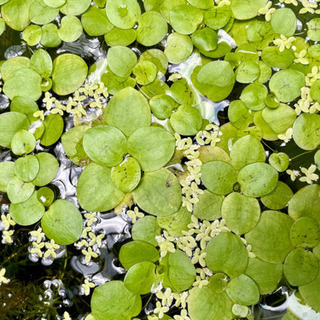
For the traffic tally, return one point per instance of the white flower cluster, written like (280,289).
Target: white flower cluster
(190,183)
(6,223)
(90,243)
(93,96)
(41,248)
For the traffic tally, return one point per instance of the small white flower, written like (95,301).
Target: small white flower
(310,176)
(86,286)
(3,279)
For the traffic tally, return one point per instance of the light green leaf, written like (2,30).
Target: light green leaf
(128,110)
(159,193)
(28,212)
(227,253)
(270,238)
(153,147)
(96,191)
(69,73)
(62,222)
(105,145)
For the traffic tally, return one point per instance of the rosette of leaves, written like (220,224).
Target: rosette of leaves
(24,179)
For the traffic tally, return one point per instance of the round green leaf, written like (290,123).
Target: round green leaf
(205,39)
(26,168)
(313,29)
(11,66)
(54,125)
(315,91)
(186,120)
(24,82)
(62,222)
(240,212)
(257,179)
(243,290)
(247,72)
(75,7)
(177,222)
(259,33)
(123,13)
(280,161)
(272,57)
(28,212)
(153,147)
(7,172)
(145,72)
(227,253)
(24,105)
(179,272)
(41,62)
(162,106)
(122,303)
(32,35)
(157,57)
(45,196)
(48,168)
(40,13)
(16,14)
(23,142)
(278,198)
(95,22)
(306,131)
(140,277)
(270,238)
(266,275)
(279,119)
(128,110)
(311,292)
(159,193)
(121,61)
(70,29)
(152,28)
(218,177)
(219,76)
(69,73)
(207,304)
(305,203)
(286,84)
(146,229)
(254,95)
(208,207)
(239,115)
(55,3)
(50,37)
(137,251)
(246,9)
(217,17)
(182,92)
(277,22)
(179,48)
(18,190)
(305,233)
(96,191)
(185,18)
(126,176)
(72,142)
(105,145)
(239,155)
(10,124)
(300,267)
(120,37)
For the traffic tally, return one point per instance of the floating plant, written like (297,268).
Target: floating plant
(163,155)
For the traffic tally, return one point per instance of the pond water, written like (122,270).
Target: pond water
(44,288)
